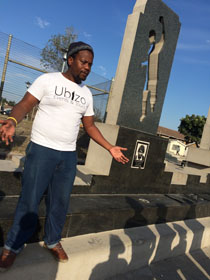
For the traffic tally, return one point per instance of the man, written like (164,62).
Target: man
(50,162)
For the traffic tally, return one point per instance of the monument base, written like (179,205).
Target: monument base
(123,196)
(97,213)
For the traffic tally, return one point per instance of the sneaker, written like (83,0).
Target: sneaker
(58,252)
(7,259)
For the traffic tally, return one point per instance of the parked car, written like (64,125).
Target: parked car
(6,112)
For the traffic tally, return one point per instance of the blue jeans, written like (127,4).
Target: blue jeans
(48,170)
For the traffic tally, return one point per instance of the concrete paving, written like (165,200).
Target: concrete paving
(169,251)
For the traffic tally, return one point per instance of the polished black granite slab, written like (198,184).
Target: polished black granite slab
(96,213)
(10,183)
(123,179)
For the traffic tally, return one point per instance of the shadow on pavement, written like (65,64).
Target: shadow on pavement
(156,255)
(116,248)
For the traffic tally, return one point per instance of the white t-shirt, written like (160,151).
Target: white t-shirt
(62,105)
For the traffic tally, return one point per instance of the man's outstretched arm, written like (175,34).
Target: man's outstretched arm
(19,111)
(96,135)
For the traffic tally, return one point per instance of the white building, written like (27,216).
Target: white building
(176,141)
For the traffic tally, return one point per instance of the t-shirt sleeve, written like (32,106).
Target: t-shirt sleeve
(90,111)
(37,89)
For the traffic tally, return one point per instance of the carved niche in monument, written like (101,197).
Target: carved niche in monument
(144,66)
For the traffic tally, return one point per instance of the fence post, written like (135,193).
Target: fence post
(5,67)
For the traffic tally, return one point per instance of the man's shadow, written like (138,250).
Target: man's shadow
(114,263)
(34,261)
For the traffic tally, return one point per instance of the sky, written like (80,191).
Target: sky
(102,24)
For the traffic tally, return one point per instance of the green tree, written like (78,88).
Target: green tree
(11,103)
(4,101)
(52,53)
(192,128)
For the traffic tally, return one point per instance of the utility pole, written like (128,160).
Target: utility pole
(28,84)
(5,67)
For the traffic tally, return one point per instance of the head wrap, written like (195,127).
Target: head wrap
(78,46)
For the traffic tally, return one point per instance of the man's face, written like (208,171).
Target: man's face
(80,65)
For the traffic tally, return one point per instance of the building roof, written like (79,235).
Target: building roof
(170,133)
(6,107)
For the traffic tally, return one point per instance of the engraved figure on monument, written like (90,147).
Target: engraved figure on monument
(140,154)
(152,70)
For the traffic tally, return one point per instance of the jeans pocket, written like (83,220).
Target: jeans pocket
(28,149)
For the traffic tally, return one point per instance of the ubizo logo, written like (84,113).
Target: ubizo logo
(71,96)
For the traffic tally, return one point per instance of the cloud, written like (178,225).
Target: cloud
(87,35)
(103,70)
(208,41)
(41,22)
(192,47)
(190,60)
(194,34)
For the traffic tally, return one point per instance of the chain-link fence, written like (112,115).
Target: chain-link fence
(20,66)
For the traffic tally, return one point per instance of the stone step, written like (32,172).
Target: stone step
(172,251)
(84,183)
(18,160)
(9,166)
(10,178)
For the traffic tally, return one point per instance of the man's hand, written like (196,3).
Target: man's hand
(96,135)
(7,130)
(118,155)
